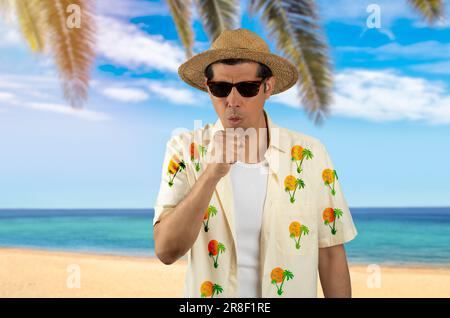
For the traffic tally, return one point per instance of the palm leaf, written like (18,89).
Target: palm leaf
(73,48)
(288,275)
(32,22)
(217,288)
(181,14)
(335,174)
(431,10)
(305,229)
(307,154)
(218,15)
(212,211)
(202,150)
(293,24)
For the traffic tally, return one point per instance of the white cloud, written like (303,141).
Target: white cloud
(355,12)
(384,96)
(40,93)
(422,50)
(65,110)
(131,8)
(16,81)
(10,38)
(126,45)
(6,96)
(10,35)
(125,94)
(176,94)
(433,68)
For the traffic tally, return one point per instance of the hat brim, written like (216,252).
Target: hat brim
(192,71)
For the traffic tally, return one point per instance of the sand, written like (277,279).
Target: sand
(38,273)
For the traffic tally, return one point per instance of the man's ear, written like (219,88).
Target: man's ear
(206,79)
(269,86)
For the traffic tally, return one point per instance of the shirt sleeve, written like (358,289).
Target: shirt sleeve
(335,220)
(174,184)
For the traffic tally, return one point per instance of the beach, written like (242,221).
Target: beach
(41,273)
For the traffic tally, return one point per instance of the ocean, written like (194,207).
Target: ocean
(389,236)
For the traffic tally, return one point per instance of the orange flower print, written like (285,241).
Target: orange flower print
(175,165)
(291,184)
(278,276)
(329,218)
(329,177)
(296,229)
(197,151)
(210,211)
(215,249)
(208,289)
(298,154)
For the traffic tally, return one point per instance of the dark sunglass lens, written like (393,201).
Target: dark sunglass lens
(248,89)
(220,89)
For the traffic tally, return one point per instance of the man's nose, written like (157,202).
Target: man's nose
(234,98)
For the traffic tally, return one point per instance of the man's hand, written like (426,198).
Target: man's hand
(225,152)
(333,272)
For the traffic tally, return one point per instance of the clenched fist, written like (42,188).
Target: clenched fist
(226,150)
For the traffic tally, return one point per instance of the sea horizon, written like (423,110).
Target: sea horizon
(389,236)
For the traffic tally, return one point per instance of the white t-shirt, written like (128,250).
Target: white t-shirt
(249,182)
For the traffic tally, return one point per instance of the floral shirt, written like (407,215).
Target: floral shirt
(304,210)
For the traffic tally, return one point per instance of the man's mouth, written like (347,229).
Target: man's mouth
(234,119)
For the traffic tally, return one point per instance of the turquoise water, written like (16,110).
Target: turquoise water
(397,236)
(120,232)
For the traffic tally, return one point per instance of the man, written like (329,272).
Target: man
(257,214)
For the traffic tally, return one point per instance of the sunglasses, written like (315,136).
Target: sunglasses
(246,89)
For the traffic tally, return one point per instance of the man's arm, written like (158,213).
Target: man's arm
(333,272)
(176,232)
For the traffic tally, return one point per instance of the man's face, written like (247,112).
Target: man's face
(248,110)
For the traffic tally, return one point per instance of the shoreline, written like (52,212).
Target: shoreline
(42,251)
(44,273)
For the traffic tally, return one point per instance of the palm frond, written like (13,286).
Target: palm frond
(288,274)
(305,229)
(218,15)
(217,288)
(293,24)
(307,154)
(182,17)
(212,210)
(431,10)
(338,213)
(32,22)
(73,48)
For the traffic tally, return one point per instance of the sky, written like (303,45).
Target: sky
(387,133)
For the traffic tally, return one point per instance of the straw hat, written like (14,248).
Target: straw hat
(239,43)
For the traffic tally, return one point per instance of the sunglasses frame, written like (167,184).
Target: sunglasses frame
(235,85)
